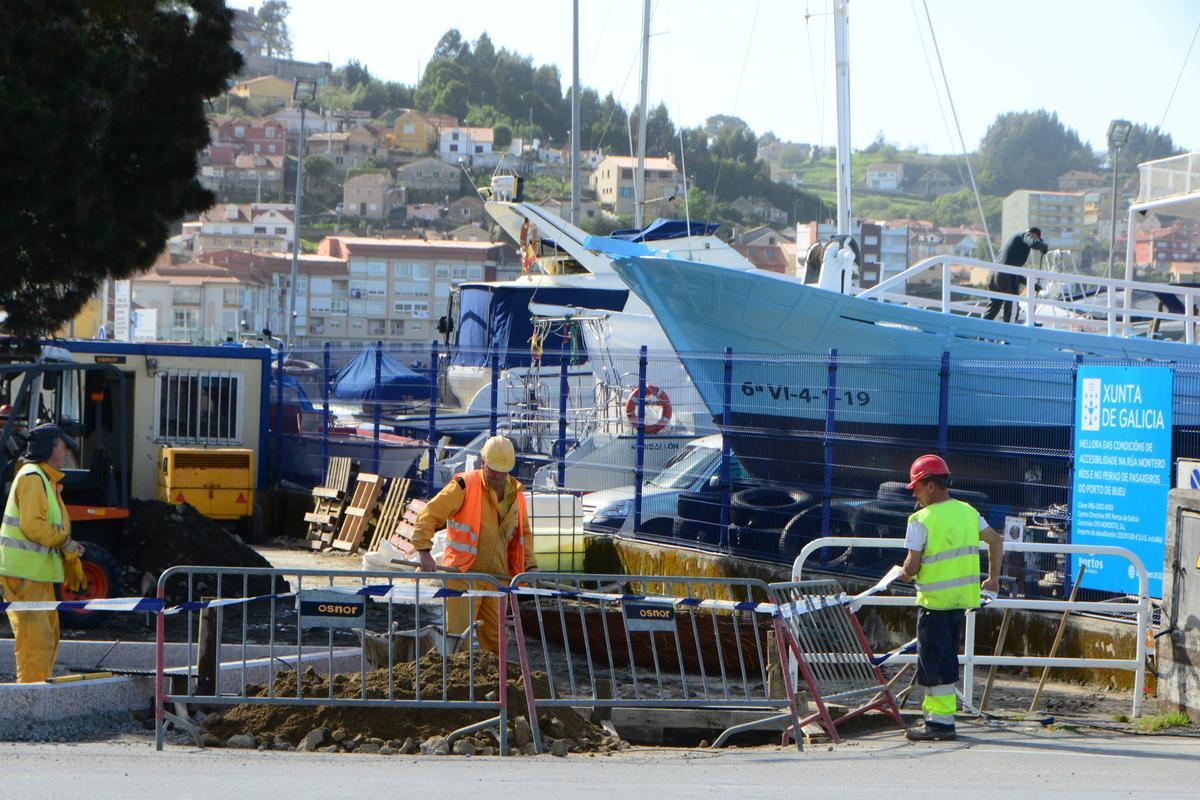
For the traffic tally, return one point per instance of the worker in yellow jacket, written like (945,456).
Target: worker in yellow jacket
(487,530)
(37,551)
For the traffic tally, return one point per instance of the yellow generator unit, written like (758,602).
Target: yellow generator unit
(218,482)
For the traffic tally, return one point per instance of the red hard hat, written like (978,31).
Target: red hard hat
(925,466)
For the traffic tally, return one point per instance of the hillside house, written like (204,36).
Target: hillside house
(612,182)
(885,177)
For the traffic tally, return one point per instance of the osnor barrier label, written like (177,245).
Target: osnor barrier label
(321,608)
(649,617)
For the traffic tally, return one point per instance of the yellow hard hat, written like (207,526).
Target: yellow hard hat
(498,454)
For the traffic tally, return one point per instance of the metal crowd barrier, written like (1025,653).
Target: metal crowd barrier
(647,641)
(830,653)
(380,619)
(969,659)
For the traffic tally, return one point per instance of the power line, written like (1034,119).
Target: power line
(961,141)
(1171,99)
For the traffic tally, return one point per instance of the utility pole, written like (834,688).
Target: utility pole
(1118,135)
(303,92)
(575,115)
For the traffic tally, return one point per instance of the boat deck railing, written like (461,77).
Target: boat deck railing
(1105,306)
(1173,177)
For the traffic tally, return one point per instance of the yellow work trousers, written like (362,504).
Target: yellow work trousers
(462,611)
(35,632)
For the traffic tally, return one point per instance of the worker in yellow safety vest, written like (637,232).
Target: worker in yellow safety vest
(943,556)
(487,530)
(37,551)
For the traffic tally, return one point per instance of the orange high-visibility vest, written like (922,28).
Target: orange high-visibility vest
(462,528)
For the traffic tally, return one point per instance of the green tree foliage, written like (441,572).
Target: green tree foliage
(452,100)
(959,208)
(355,73)
(501,136)
(375,97)
(272,16)
(104,102)
(1146,144)
(438,74)
(731,138)
(1029,150)
(322,185)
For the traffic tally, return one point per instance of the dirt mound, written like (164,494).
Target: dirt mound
(293,723)
(161,535)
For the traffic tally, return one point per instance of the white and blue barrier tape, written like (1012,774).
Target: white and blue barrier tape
(410,590)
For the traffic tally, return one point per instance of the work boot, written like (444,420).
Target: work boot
(930,732)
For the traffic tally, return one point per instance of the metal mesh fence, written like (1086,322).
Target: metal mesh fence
(748,454)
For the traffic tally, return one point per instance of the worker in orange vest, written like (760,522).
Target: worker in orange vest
(487,530)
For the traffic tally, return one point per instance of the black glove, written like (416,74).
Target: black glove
(1041,247)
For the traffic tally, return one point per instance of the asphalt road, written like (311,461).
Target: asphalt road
(1010,763)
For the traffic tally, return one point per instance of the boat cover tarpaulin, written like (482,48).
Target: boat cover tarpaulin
(663,228)
(293,393)
(496,318)
(397,383)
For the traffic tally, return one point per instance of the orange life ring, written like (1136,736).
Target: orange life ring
(656,396)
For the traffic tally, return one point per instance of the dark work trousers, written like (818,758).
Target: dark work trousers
(994,308)
(939,638)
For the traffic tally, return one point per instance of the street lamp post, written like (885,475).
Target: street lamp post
(304,91)
(1118,137)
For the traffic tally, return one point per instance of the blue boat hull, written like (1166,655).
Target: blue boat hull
(887,388)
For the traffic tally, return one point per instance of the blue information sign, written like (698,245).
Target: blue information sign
(1122,472)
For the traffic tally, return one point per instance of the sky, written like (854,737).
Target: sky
(771,62)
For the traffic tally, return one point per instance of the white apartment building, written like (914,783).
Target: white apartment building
(265,227)
(1058,214)
(883,248)
(384,289)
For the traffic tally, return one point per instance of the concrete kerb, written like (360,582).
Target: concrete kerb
(48,702)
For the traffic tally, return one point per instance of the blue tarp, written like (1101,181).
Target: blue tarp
(663,228)
(293,393)
(495,317)
(397,383)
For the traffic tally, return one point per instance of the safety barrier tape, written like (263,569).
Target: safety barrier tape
(409,590)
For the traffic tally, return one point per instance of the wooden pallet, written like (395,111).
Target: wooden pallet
(359,513)
(401,537)
(391,511)
(328,501)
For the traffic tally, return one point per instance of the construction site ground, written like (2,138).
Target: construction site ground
(1073,720)
(1004,762)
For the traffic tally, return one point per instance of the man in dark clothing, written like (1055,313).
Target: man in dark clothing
(1015,254)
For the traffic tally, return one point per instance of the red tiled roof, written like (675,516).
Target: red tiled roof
(345,246)
(768,257)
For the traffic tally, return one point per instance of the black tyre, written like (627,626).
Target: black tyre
(807,525)
(894,491)
(700,506)
(754,542)
(104,581)
(658,527)
(767,507)
(881,519)
(897,492)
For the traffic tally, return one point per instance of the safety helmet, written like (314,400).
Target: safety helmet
(924,467)
(498,454)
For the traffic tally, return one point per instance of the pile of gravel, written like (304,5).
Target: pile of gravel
(99,726)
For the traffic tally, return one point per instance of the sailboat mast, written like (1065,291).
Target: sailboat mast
(639,177)
(575,133)
(841,48)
